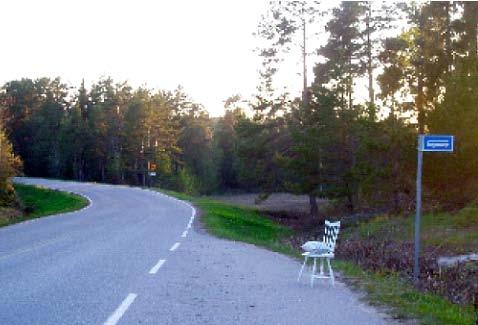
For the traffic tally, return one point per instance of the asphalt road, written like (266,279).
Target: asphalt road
(135,257)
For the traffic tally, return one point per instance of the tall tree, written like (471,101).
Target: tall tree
(342,53)
(9,166)
(456,114)
(286,26)
(312,155)
(225,144)
(418,60)
(195,142)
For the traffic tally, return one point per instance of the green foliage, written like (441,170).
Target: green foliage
(225,143)
(196,142)
(258,145)
(188,182)
(9,166)
(455,176)
(326,143)
(110,133)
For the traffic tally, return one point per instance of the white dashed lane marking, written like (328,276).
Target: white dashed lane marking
(174,247)
(155,268)
(119,312)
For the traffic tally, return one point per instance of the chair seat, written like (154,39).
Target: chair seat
(319,254)
(323,251)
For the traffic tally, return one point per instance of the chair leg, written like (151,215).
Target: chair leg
(302,268)
(321,266)
(314,268)
(331,272)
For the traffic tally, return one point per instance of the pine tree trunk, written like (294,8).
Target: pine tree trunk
(350,83)
(371,93)
(314,208)
(448,48)
(102,172)
(350,199)
(420,98)
(420,105)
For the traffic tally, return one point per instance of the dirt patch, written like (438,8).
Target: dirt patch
(287,209)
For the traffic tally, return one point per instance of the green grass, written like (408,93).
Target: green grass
(40,202)
(456,233)
(239,223)
(405,300)
(247,225)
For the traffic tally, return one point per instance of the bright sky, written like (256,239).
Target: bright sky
(205,46)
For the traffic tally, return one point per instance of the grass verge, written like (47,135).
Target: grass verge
(239,223)
(406,301)
(390,290)
(39,202)
(455,233)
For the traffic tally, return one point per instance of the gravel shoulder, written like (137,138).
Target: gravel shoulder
(228,282)
(215,281)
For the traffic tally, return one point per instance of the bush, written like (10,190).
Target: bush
(188,183)
(7,194)
(9,166)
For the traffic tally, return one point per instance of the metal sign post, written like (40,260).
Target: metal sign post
(416,266)
(427,143)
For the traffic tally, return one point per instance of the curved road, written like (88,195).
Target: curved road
(134,257)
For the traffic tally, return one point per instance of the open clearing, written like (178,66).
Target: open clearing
(276,202)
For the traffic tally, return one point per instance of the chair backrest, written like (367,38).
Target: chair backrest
(331,233)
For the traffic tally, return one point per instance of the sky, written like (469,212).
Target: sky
(204,46)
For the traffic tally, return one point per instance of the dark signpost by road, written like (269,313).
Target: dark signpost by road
(426,143)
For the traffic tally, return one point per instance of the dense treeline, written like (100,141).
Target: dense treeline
(419,61)
(420,65)
(109,133)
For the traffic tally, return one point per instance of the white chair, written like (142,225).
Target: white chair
(323,250)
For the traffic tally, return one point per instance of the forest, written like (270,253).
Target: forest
(356,145)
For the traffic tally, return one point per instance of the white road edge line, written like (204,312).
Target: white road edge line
(174,247)
(155,268)
(90,201)
(119,312)
(185,233)
(175,199)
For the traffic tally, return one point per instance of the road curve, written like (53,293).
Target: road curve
(134,257)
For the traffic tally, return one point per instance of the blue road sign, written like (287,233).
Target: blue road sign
(433,143)
(436,143)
